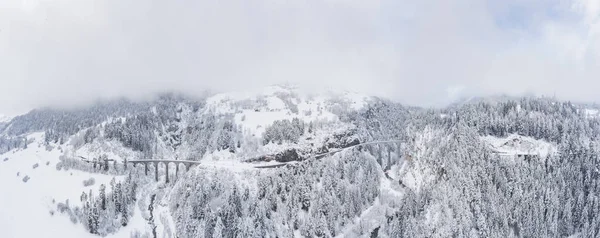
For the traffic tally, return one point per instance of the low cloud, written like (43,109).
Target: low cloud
(68,52)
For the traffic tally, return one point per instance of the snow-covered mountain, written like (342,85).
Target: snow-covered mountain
(34,188)
(46,148)
(256,173)
(254,112)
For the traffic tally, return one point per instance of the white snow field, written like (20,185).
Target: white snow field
(520,145)
(26,207)
(254,111)
(592,113)
(29,209)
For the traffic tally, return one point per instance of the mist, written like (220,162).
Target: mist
(425,53)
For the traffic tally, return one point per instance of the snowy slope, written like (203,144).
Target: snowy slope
(521,145)
(35,201)
(254,111)
(592,113)
(25,204)
(4,118)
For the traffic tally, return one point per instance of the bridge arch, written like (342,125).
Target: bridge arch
(167,163)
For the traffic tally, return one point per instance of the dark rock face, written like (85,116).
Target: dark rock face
(343,140)
(322,149)
(288,155)
(353,142)
(375,233)
(335,142)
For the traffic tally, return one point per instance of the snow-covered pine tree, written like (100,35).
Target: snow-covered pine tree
(102,197)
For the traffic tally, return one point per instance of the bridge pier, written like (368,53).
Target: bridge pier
(388,166)
(398,147)
(379,160)
(156,164)
(166,172)
(156,171)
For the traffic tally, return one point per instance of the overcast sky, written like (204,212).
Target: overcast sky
(69,52)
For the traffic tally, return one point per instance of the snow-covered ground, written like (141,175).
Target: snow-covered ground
(254,111)
(26,207)
(34,202)
(4,118)
(113,150)
(592,113)
(520,145)
(375,216)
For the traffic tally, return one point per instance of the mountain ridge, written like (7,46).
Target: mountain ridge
(454,162)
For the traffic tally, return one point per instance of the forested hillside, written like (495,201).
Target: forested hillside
(444,179)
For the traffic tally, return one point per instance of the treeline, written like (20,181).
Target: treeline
(285,131)
(169,121)
(210,133)
(476,193)
(479,194)
(8,143)
(167,124)
(107,212)
(314,199)
(59,124)
(382,120)
(135,132)
(541,118)
(170,124)
(473,192)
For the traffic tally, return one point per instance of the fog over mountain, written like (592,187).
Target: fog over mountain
(279,162)
(64,52)
(289,119)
